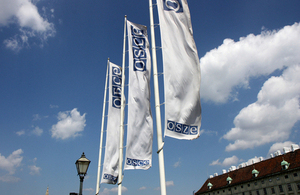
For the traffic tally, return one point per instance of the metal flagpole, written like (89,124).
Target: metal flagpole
(101,133)
(122,116)
(157,107)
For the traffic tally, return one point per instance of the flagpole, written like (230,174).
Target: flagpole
(120,177)
(101,133)
(157,107)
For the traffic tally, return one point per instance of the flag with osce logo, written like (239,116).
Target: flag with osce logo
(140,123)
(111,158)
(181,70)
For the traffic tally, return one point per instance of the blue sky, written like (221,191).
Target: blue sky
(52,72)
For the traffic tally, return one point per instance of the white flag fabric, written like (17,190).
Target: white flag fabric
(140,123)
(181,70)
(111,158)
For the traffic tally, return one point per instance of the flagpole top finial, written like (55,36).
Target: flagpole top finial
(125,16)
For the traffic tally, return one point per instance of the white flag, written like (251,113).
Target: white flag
(181,70)
(140,123)
(111,158)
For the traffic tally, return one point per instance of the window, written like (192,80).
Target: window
(234,188)
(298,186)
(257,192)
(262,182)
(280,188)
(295,174)
(242,186)
(265,191)
(273,190)
(289,187)
(248,184)
(270,180)
(250,193)
(286,176)
(255,183)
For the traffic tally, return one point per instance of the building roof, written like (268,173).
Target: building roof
(265,168)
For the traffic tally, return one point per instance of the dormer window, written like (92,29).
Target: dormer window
(284,165)
(255,173)
(209,185)
(229,180)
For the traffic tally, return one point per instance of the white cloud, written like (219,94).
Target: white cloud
(70,124)
(37,131)
(230,161)
(36,117)
(31,24)
(177,164)
(90,190)
(215,162)
(107,191)
(272,116)
(233,64)
(9,178)
(34,170)
(279,146)
(169,183)
(10,165)
(53,106)
(227,161)
(143,188)
(19,133)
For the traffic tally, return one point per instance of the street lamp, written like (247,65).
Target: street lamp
(82,166)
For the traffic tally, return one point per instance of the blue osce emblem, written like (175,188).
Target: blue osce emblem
(139,49)
(173,5)
(182,128)
(116,87)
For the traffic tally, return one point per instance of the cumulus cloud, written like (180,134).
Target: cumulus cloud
(227,161)
(235,63)
(34,170)
(143,188)
(37,131)
(107,191)
(169,183)
(279,146)
(10,165)
(31,24)
(19,133)
(36,117)
(53,106)
(272,116)
(215,162)
(90,190)
(177,164)
(70,124)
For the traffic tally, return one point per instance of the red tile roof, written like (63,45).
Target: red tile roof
(265,168)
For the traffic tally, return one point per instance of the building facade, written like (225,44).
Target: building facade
(277,175)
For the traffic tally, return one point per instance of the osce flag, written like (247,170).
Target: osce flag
(111,158)
(140,123)
(181,70)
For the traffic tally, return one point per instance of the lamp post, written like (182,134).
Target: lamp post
(82,166)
